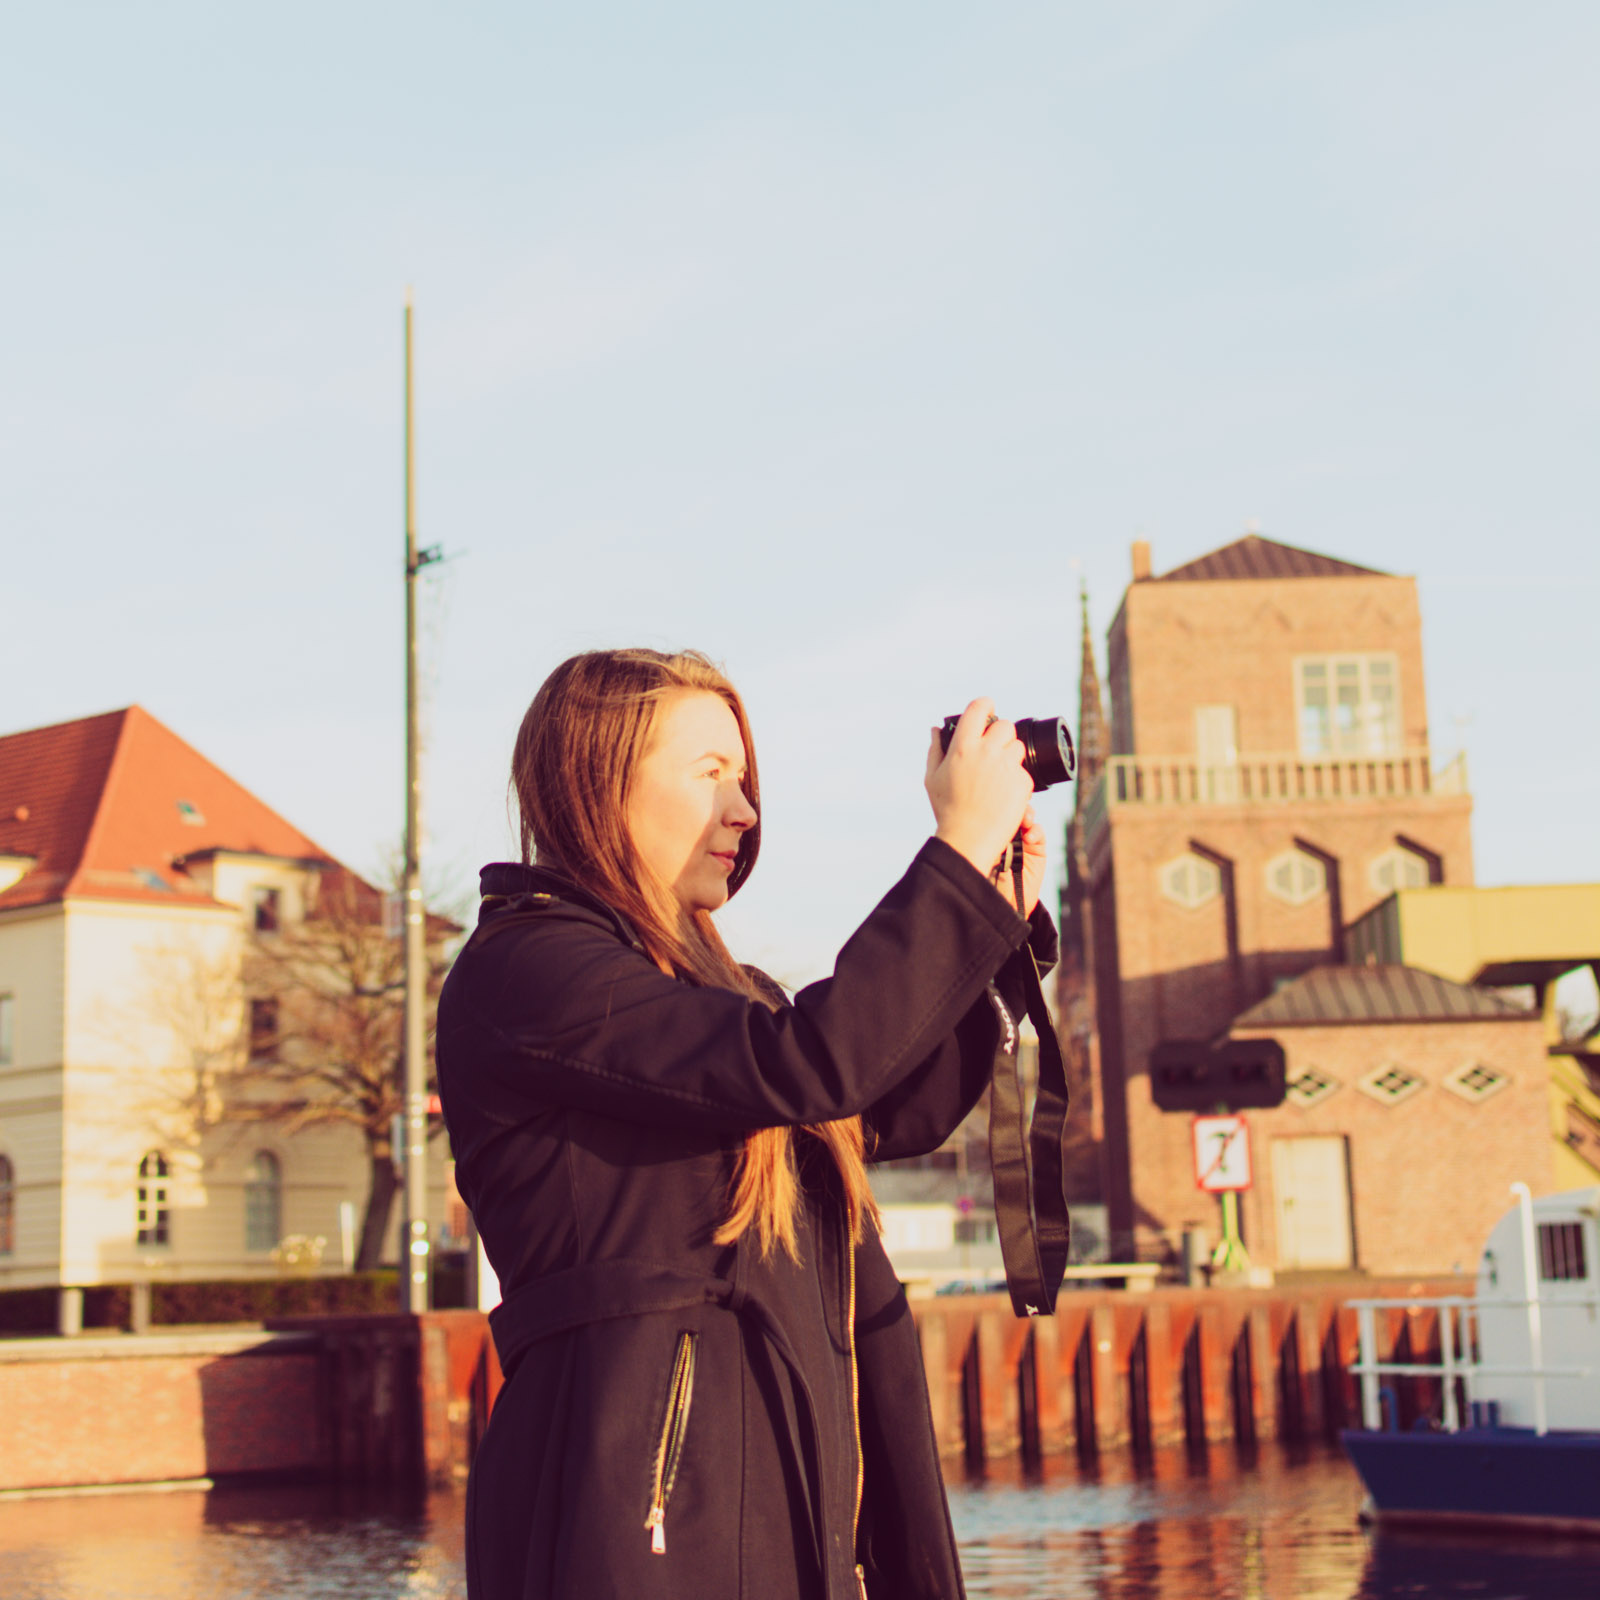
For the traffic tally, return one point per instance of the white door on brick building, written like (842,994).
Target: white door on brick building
(1216,738)
(1311,1194)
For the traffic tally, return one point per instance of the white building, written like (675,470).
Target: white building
(133,874)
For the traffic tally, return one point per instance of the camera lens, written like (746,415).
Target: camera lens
(1046,748)
(1049,757)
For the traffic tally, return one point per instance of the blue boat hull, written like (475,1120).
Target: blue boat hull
(1507,1474)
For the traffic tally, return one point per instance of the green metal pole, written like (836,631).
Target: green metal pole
(1229,1255)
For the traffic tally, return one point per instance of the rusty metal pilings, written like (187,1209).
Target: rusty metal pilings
(406,1399)
(1128,1370)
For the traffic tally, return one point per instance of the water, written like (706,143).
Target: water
(1279,1527)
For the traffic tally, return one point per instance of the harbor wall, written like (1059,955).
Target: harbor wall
(370,1399)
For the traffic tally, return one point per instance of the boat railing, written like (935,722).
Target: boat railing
(1456,1364)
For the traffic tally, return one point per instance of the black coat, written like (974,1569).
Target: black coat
(678,1418)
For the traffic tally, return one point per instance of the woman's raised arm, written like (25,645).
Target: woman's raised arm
(559,1011)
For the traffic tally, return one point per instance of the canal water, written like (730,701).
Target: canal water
(1275,1526)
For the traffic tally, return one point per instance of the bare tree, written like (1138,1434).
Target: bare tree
(323,1021)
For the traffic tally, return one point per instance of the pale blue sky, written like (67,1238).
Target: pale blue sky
(825,339)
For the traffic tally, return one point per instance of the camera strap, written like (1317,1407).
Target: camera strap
(1029,1204)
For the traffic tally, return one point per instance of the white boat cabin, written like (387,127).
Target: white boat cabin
(1539,1318)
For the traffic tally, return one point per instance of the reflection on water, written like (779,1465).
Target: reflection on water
(277,1543)
(1273,1527)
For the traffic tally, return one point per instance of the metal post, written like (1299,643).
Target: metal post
(1230,1255)
(1371,1406)
(1530,1282)
(1447,1360)
(414,1244)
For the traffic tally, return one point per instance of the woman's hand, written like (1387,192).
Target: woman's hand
(979,790)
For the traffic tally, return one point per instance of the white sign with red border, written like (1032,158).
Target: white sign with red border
(1221,1154)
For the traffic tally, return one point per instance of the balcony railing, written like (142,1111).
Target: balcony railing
(1268,780)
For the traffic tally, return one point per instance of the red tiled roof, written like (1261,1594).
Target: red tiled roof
(1255,557)
(1329,996)
(109,805)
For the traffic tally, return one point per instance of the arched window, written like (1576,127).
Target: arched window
(263,1202)
(8,1206)
(155,1217)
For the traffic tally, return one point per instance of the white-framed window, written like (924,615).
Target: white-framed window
(1191,880)
(154,1213)
(263,1202)
(266,909)
(1399,868)
(8,1206)
(1348,705)
(5,1030)
(1296,878)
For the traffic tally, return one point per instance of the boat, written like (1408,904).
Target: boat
(1515,1440)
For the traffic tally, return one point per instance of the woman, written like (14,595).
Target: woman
(713,1383)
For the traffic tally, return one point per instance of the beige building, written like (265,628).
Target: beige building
(134,876)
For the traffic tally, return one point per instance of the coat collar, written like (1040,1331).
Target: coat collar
(503,883)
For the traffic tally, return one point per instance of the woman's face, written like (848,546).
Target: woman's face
(686,811)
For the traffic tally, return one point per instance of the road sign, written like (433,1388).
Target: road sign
(1236,1075)
(1221,1154)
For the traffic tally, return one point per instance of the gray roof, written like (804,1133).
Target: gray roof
(1255,557)
(1333,995)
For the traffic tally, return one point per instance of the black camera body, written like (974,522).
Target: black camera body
(1047,753)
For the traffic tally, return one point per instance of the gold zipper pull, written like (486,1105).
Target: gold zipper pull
(861,1580)
(656,1522)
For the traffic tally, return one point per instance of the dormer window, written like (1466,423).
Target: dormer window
(189,813)
(265,909)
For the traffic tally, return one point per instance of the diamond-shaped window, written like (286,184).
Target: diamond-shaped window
(1310,1087)
(1391,1084)
(1476,1082)
(1191,880)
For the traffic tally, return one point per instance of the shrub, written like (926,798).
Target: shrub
(33,1311)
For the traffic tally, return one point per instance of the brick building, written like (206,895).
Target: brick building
(1268,778)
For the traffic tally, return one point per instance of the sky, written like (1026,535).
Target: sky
(839,342)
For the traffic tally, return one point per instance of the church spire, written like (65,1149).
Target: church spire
(1092,741)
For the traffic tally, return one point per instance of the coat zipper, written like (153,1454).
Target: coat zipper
(855,1413)
(669,1449)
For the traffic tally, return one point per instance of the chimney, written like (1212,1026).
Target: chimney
(1141,559)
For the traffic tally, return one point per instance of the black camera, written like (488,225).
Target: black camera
(1046,748)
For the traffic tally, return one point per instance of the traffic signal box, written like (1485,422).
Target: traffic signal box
(1237,1075)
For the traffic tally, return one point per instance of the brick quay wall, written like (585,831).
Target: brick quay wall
(405,1399)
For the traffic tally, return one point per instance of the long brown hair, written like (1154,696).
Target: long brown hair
(577,751)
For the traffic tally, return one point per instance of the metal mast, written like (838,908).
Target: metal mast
(414,1243)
